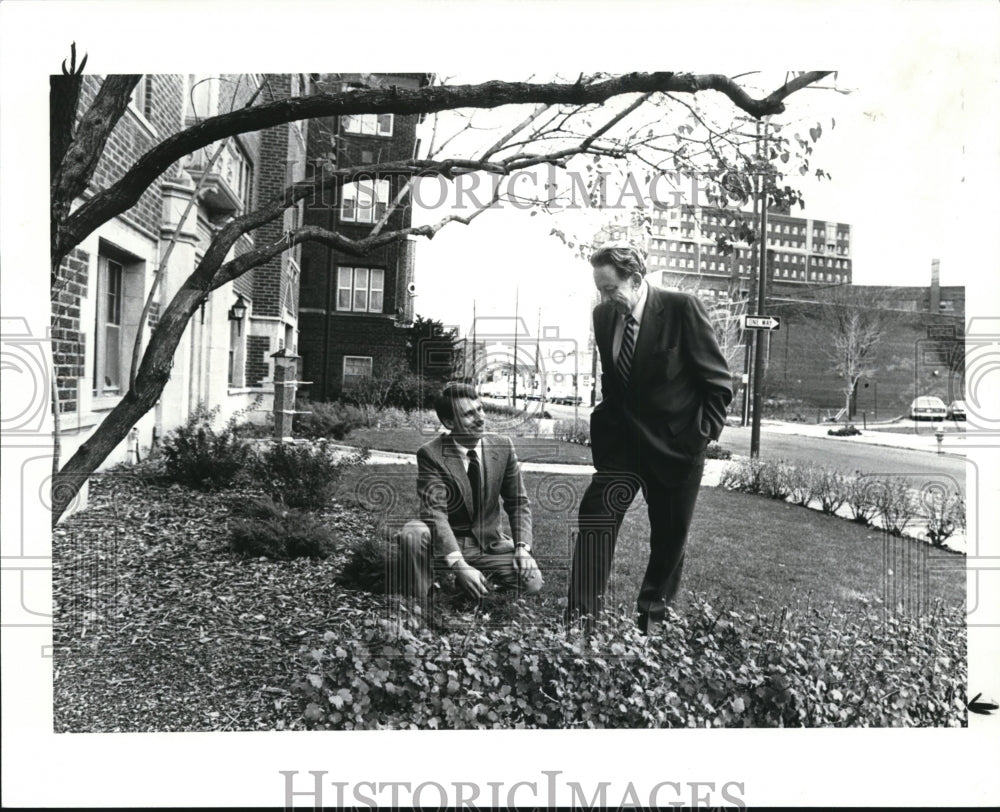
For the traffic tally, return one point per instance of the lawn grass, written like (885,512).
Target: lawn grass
(743,550)
(529,449)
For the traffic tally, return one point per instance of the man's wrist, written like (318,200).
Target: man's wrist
(522,545)
(454,559)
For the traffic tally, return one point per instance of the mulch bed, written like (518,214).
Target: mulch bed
(159,627)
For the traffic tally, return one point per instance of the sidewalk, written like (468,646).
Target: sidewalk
(710,478)
(923,440)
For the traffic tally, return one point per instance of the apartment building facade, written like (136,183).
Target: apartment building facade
(106,282)
(354,309)
(683,252)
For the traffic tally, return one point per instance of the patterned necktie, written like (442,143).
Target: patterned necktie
(475,482)
(624,363)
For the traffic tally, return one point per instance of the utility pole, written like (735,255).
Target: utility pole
(758,358)
(517,329)
(748,334)
(538,373)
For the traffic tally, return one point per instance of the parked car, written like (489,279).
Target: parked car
(956,410)
(928,407)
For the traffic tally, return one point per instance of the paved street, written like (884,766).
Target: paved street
(874,452)
(847,454)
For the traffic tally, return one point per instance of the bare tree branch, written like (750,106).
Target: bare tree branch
(84,150)
(511,133)
(122,195)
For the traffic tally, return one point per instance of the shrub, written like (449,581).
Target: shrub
(844,431)
(743,475)
(775,479)
(757,476)
(572,431)
(830,487)
(945,514)
(897,505)
(862,497)
(326,420)
(271,531)
(304,476)
(395,418)
(393,385)
(200,457)
(802,483)
(501,409)
(714,451)
(370,565)
(256,430)
(707,668)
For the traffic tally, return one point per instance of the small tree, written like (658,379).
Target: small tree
(432,351)
(855,319)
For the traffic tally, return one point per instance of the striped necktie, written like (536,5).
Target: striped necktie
(624,363)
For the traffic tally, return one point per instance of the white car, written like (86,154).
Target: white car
(956,410)
(928,407)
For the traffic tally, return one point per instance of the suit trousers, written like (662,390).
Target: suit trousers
(602,510)
(416,564)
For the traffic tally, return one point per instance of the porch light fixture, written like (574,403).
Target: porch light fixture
(238,311)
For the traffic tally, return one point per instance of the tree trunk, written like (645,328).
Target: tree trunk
(149,384)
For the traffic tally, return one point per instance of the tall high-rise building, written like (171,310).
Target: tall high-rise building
(684,252)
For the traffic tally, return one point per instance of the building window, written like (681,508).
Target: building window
(356,367)
(369,124)
(108,328)
(365,201)
(140,101)
(237,170)
(360,289)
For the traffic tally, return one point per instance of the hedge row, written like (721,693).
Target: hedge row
(709,669)
(886,502)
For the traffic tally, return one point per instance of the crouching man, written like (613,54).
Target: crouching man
(462,476)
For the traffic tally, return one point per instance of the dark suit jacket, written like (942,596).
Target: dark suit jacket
(677,392)
(446,496)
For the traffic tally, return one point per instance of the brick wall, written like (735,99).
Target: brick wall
(279,150)
(131,139)
(68,339)
(348,335)
(799,365)
(257,366)
(325,338)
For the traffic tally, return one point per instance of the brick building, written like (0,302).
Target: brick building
(105,281)
(352,310)
(914,356)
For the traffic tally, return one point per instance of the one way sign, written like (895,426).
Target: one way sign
(761,323)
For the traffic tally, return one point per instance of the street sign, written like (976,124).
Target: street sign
(761,322)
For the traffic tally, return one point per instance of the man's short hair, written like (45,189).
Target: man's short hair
(625,259)
(444,403)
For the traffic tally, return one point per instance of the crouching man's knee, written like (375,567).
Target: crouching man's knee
(414,535)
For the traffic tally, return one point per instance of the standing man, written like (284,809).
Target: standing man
(665,385)
(462,476)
